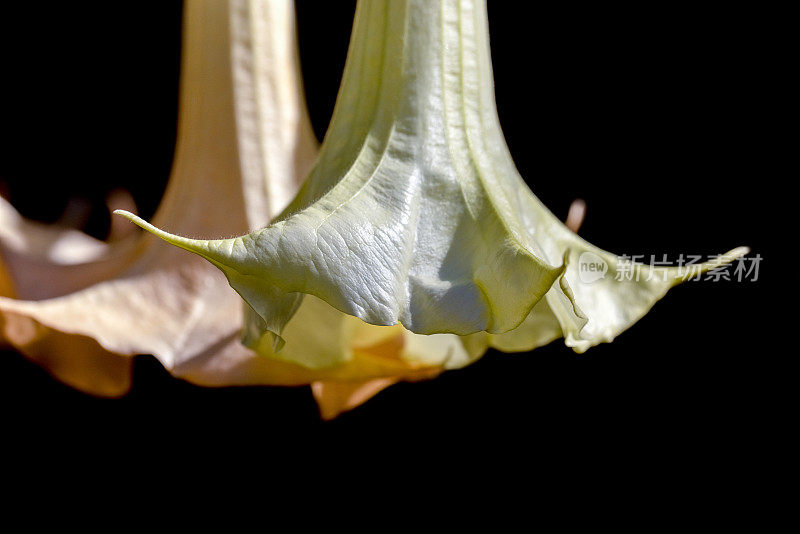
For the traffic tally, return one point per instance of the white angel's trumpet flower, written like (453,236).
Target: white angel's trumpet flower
(416,215)
(244,144)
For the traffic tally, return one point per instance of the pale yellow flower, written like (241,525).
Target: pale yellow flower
(415,214)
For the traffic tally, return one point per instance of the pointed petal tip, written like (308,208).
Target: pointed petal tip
(179,241)
(685,273)
(335,398)
(738,252)
(141,223)
(729,256)
(128,215)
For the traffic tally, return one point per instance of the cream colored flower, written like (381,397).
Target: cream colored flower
(415,215)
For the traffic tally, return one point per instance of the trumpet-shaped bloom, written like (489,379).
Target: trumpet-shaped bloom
(415,214)
(244,144)
(134,296)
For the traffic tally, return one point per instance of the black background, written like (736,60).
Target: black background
(663,119)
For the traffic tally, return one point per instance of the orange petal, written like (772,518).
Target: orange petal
(75,360)
(333,398)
